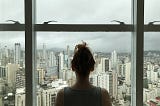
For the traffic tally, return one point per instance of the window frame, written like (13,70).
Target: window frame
(79,27)
(137,50)
(137,28)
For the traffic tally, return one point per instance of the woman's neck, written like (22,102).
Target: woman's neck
(82,83)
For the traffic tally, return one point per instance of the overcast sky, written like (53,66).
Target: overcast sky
(81,11)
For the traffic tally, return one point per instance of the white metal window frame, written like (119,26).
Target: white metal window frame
(137,28)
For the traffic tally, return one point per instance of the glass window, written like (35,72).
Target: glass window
(112,69)
(151,72)
(151,11)
(83,11)
(151,77)
(11,11)
(12,54)
(12,68)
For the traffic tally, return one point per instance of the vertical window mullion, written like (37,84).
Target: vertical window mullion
(30,44)
(137,52)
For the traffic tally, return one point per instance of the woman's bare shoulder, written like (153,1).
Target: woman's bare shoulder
(106,101)
(60,98)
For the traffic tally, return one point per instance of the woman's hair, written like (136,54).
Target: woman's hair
(83,61)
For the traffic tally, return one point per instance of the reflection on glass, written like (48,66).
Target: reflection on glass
(151,76)
(112,69)
(12,69)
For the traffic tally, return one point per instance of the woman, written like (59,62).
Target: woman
(82,93)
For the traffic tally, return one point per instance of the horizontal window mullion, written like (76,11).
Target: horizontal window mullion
(79,27)
(12,27)
(151,28)
(84,27)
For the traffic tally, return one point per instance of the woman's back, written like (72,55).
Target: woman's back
(88,97)
(91,97)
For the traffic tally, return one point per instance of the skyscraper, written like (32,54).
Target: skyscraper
(114,59)
(17,55)
(128,73)
(20,78)
(107,64)
(115,84)
(2,72)
(11,74)
(41,75)
(121,70)
(52,59)
(44,52)
(20,97)
(60,64)
(68,60)
(61,61)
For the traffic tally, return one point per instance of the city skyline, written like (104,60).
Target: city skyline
(54,72)
(98,41)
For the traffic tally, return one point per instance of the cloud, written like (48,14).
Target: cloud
(81,11)
(11,9)
(152,41)
(99,41)
(10,38)
(151,11)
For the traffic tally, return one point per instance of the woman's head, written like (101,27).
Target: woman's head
(83,61)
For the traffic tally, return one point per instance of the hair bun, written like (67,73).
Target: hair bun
(80,46)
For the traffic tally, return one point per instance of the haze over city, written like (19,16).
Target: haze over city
(71,12)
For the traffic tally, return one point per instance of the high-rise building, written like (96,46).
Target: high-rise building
(48,97)
(115,84)
(2,71)
(20,97)
(39,97)
(150,66)
(11,74)
(114,59)
(128,73)
(52,59)
(107,64)
(2,87)
(49,93)
(121,70)
(41,75)
(20,78)
(61,61)
(17,55)
(103,81)
(152,75)
(103,65)
(107,80)
(68,59)
(44,52)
